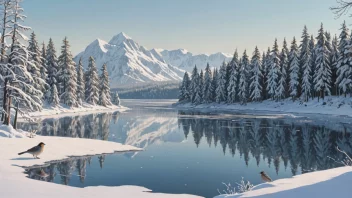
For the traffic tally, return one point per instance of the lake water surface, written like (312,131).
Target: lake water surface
(194,152)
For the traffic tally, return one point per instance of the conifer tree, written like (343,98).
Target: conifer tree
(44,72)
(36,63)
(184,89)
(214,84)
(195,88)
(67,76)
(243,92)
(232,87)
(294,69)
(221,88)
(282,88)
(274,69)
(208,86)
(312,64)
(52,66)
(55,101)
(343,64)
(201,85)
(322,77)
(306,61)
(92,83)
(255,86)
(116,99)
(80,83)
(105,98)
(334,56)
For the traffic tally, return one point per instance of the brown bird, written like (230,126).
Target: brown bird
(265,177)
(35,151)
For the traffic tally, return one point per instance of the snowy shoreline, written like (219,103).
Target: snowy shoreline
(332,105)
(14,183)
(61,111)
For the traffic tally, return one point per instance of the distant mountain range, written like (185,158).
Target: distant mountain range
(129,63)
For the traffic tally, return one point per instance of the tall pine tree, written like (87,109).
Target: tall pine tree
(294,69)
(104,97)
(255,86)
(208,86)
(92,83)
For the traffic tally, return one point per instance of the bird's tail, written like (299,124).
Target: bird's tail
(22,153)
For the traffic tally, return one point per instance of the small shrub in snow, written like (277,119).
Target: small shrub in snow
(242,187)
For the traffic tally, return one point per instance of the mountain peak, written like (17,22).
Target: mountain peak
(118,39)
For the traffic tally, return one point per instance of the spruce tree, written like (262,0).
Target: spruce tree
(105,98)
(243,92)
(184,89)
(294,69)
(282,88)
(232,87)
(312,64)
(116,99)
(334,57)
(201,86)
(67,76)
(80,83)
(343,64)
(306,61)
(302,56)
(54,98)
(44,73)
(195,88)
(208,86)
(36,63)
(274,69)
(92,83)
(255,86)
(322,77)
(52,65)
(214,84)
(221,88)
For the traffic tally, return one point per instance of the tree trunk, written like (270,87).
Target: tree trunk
(15,120)
(8,117)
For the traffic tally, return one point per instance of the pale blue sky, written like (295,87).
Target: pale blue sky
(200,26)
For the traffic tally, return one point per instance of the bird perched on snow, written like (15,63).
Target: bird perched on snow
(265,177)
(35,151)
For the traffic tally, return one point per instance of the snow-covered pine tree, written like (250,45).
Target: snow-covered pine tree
(322,77)
(294,69)
(232,87)
(44,73)
(274,69)
(80,83)
(184,89)
(52,65)
(334,57)
(265,72)
(67,76)
(303,47)
(195,91)
(201,85)
(18,82)
(312,64)
(306,61)
(221,88)
(105,98)
(35,68)
(116,99)
(282,88)
(342,66)
(55,101)
(92,83)
(214,84)
(255,86)
(208,86)
(243,92)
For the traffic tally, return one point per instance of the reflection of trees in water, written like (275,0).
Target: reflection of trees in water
(305,147)
(93,126)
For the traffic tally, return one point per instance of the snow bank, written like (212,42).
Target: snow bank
(332,105)
(323,184)
(10,132)
(62,111)
(13,182)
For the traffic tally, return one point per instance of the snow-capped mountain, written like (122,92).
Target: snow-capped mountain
(186,60)
(130,63)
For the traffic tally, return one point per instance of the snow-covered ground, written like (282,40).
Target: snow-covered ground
(332,105)
(13,182)
(62,111)
(322,184)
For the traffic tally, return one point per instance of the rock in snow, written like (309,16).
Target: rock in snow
(130,63)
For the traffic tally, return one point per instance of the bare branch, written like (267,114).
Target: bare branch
(342,8)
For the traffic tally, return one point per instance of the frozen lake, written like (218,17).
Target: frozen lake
(194,152)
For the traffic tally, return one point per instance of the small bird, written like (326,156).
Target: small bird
(35,151)
(265,177)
